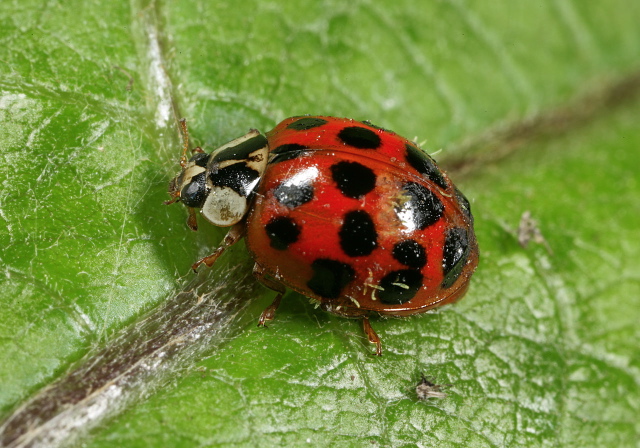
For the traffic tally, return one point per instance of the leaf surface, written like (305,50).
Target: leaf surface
(541,352)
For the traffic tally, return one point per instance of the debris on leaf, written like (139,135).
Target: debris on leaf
(528,230)
(426,389)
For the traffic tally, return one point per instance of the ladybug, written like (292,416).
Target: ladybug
(342,211)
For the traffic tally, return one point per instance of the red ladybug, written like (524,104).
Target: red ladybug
(342,211)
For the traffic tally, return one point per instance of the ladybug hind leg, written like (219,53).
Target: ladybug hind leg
(269,313)
(234,235)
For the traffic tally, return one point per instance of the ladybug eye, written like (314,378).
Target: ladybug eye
(194,193)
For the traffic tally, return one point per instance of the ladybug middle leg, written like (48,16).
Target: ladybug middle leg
(357,313)
(234,235)
(372,335)
(270,311)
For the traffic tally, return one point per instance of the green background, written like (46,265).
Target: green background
(532,107)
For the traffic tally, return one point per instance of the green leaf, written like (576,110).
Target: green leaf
(535,106)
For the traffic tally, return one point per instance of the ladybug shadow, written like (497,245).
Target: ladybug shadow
(301,317)
(298,310)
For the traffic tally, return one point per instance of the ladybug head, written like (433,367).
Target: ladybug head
(190,186)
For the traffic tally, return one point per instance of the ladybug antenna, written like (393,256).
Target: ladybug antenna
(185,137)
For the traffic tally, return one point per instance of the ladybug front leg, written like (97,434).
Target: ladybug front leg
(270,311)
(234,235)
(372,335)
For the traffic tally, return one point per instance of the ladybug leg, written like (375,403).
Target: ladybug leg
(373,337)
(234,235)
(192,221)
(270,311)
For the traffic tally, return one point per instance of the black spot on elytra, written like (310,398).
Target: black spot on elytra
(358,234)
(306,123)
(329,277)
(287,152)
(360,137)
(194,193)
(238,176)
(399,287)
(410,253)
(282,231)
(455,255)
(293,196)
(241,151)
(425,165)
(353,179)
(200,159)
(419,207)
(464,205)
